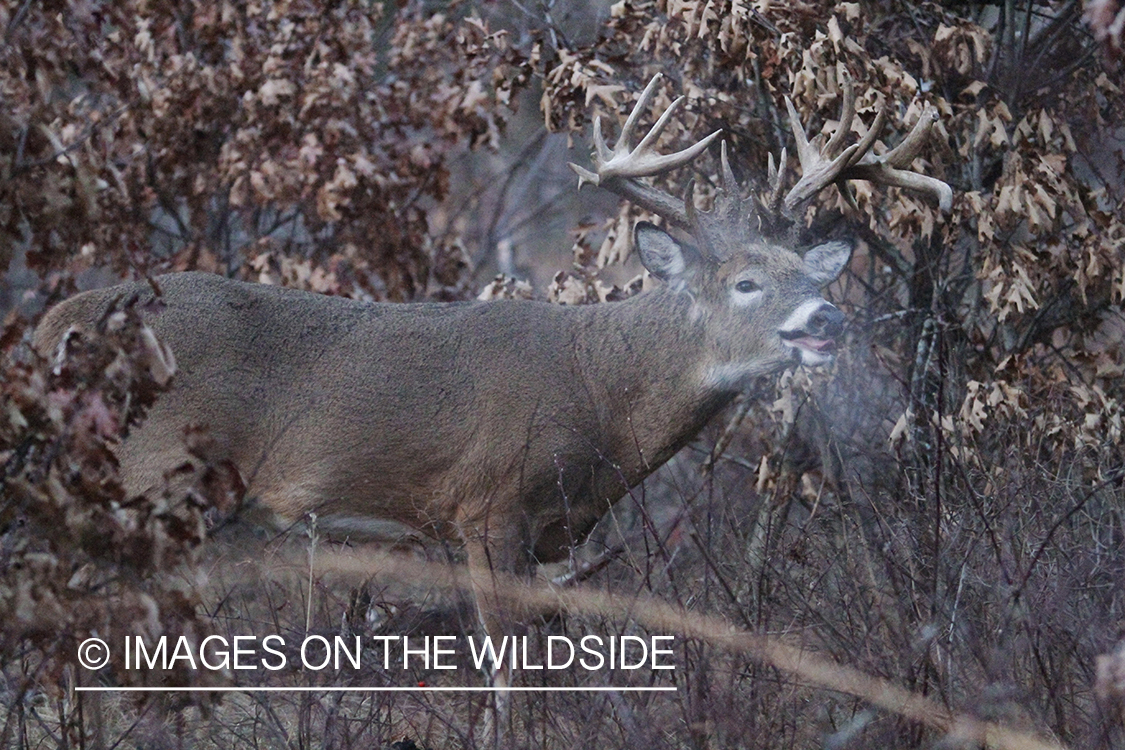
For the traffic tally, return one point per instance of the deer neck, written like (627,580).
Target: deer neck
(644,362)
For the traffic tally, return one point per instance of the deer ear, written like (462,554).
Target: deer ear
(825,262)
(661,254)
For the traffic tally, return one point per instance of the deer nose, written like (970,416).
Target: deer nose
(826,322)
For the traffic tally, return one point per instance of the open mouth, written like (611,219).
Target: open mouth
(809,349)
(813,344)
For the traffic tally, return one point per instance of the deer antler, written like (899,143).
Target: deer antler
(821,167)
(894,167)
(619,168)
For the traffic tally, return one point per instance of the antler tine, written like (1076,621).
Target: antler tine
(894,167)
(726,174)
(656,164)
(847,113)
(804,151)
(776,178)
(903,155)
(600,148)
(818,171)
(866,142)
(626,161)
(820,168)
(618,168)
(642,103)
(863,148)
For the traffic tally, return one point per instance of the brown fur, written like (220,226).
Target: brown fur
(514,424)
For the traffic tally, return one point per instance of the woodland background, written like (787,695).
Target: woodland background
(943,507)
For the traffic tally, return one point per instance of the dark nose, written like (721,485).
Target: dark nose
(826,322)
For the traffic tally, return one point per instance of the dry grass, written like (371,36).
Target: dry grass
(847,633)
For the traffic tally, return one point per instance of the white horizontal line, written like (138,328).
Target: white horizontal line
(337,689)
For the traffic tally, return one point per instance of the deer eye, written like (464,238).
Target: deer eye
(746,286)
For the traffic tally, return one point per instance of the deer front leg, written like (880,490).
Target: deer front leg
(492,557)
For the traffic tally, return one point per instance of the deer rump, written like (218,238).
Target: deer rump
(522,420)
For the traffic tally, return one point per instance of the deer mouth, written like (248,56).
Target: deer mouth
(813,344)
(810,343)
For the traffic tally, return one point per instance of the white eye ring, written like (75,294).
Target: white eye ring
(746,293)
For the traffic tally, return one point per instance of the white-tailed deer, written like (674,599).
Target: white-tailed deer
(508,426)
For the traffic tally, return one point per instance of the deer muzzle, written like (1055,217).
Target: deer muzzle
(812,330)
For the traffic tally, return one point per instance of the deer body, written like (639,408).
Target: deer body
(509,425)
(526,417)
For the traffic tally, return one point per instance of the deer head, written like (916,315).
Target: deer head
(761,299)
